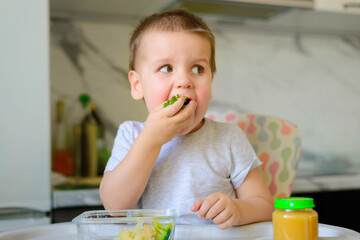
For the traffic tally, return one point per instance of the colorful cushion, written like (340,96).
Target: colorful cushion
(276,142)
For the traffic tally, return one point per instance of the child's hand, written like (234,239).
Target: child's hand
(218,207)
(163,124)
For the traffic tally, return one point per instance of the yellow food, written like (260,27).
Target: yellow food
(126,234)
(138,233)
(295,225)
(148,232)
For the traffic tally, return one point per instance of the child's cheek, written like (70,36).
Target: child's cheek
(155,101)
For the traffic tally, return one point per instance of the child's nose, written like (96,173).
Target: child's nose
(184,81)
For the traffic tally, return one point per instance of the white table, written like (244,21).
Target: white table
(263,231)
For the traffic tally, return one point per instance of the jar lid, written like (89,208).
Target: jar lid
(294,203)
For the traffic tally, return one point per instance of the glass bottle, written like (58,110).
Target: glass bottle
(89,131)
(63,159)
(77,149)
(103,153)
(295,219)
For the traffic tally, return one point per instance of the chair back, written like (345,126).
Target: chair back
(276,142)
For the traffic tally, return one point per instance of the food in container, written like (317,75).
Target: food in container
(294,218)
(139,224)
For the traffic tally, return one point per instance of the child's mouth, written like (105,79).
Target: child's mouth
(175,98)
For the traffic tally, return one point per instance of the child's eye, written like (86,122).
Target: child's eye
(197,69)
(166,68)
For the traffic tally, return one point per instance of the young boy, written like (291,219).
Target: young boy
(178,159)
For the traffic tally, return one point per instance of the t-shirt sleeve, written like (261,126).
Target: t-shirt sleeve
(244,157)
(124,139)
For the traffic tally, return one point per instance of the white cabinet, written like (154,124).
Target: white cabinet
(344,6)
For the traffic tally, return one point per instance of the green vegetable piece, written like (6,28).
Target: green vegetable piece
(174,99)
(162,231)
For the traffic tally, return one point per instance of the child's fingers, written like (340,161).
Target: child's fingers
(214,211)
(186,113)
(159,107)
(171,110)
(207,205)
(222,216)
(197,205)
(229,222)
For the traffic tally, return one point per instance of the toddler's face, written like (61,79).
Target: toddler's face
(171,63)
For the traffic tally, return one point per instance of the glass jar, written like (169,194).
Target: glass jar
(295,219)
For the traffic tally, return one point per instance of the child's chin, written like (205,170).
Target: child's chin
(191,128)
(184,132)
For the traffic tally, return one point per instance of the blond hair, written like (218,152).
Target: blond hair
(171,20)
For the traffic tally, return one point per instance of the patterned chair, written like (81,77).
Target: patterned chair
(276,142)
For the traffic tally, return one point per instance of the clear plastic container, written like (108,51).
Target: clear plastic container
(104,224)
(295,219)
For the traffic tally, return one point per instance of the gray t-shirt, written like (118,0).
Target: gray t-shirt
(216,158)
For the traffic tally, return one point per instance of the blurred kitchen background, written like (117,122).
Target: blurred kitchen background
(295,59)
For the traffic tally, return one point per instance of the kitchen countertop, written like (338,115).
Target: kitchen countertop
(261,230)
(90,196)
(75,198)
(327,183)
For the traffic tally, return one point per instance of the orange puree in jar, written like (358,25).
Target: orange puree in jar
(295,219)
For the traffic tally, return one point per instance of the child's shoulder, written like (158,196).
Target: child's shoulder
(225,128)
(223,125)
(225,134)
(131,126)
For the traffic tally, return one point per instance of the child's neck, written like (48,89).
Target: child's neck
(197,127)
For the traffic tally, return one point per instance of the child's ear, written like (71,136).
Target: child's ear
(136,91)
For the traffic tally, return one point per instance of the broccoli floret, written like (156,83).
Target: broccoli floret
(162,232)
(174,99)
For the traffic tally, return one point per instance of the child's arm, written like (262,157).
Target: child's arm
(254,204)
(122,187)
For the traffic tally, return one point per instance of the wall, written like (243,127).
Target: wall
(311,80)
